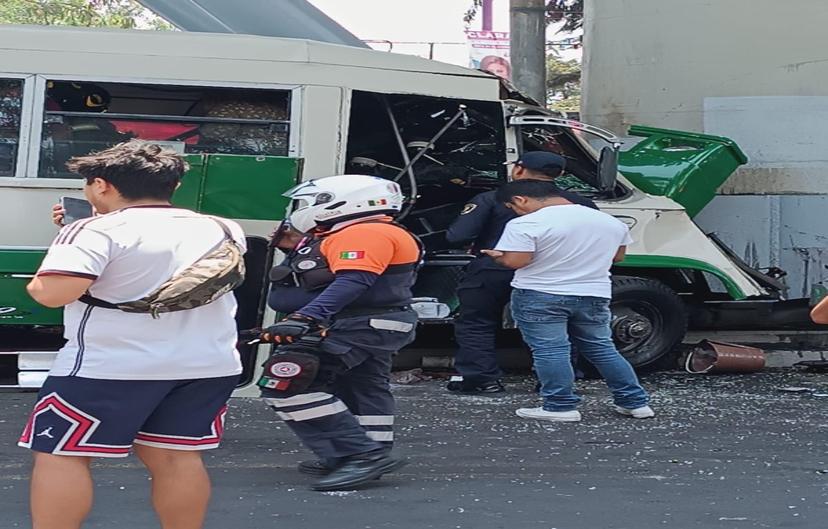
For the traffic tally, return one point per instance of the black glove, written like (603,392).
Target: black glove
(291,329)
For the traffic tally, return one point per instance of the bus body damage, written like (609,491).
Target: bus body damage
(444,133)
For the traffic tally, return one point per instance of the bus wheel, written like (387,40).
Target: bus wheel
(648,319)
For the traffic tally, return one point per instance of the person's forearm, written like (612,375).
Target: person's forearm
(288,299)
(513,260)
(819,314)
(345,289)
(508,261)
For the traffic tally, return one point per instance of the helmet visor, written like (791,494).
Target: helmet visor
(305,188)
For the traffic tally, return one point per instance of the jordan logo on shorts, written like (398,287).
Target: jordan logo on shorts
(46,433)
(57,427)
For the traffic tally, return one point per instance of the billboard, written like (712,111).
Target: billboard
(489,50)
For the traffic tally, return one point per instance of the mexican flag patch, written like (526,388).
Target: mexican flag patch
(380,202)
(350,256)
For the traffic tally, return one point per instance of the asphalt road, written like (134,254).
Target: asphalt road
(724,452)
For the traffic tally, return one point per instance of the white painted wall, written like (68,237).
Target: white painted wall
(752,70)
(784,231)
(784,137)
(655,61)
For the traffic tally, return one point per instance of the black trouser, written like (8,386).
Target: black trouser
(483,295)
(349,408)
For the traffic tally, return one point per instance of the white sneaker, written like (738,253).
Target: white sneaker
(644,412)
(543,415)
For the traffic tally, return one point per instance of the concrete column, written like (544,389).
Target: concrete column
(527,26)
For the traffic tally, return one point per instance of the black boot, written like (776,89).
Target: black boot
(358,470)
(316,467)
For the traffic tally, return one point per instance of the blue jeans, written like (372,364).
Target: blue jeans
(548,322)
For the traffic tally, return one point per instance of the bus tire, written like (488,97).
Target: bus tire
(649,320)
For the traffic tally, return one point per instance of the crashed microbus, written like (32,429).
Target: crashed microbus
(255,114)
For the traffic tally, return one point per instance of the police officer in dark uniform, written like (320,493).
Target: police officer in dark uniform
(347,289)
(485,287)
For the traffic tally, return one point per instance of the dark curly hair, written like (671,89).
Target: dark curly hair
(137,169)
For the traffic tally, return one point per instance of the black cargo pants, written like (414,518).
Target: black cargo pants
(483,294)
(349,408)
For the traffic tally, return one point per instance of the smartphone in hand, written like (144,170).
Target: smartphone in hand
(75,209)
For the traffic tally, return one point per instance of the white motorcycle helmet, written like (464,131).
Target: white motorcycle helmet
(334,199)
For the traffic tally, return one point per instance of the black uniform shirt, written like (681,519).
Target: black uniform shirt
(483,220)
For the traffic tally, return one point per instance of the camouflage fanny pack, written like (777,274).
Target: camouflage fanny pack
(215,274)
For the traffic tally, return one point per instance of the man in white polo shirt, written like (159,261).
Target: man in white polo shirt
(159,382)
(563,253)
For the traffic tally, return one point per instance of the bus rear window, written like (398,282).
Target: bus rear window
(11,103)
(82,117)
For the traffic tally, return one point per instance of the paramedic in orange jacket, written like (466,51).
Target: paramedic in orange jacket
(351,276)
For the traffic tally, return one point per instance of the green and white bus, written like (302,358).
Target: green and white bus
(254,114)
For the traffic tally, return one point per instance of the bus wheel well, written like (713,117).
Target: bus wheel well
(649,319)
(687,282)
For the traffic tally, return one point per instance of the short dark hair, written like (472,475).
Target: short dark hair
(539,189)
(137,169)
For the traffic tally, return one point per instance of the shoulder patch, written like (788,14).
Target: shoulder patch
(468,208)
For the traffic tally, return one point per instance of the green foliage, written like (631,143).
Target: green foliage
(563,78)
(125,14)
(471,12)
(568,106)
(569,11)
(563,84)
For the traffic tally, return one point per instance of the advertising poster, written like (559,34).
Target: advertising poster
(489,50)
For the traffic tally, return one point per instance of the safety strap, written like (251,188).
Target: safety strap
(97,302)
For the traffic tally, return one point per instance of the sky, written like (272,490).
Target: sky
(419,21)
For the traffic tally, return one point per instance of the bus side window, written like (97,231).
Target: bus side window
(83,117)
(11,103)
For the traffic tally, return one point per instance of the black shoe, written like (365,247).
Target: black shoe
(455,385)
(486,388)
(316,467)
(354,472)
(494,386)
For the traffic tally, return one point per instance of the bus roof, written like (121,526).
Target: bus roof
(67,51)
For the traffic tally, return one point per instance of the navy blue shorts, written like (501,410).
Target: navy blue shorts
(77,416)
